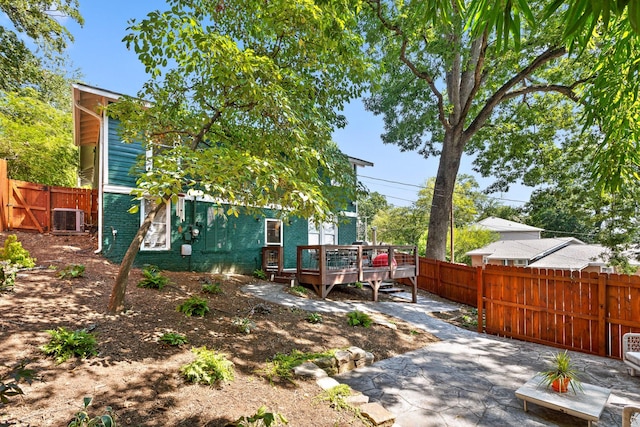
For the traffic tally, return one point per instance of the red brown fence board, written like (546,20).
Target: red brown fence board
(587,312)
(28,206)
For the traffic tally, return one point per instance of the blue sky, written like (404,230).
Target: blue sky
(102,58)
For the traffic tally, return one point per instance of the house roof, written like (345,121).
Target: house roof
(502,225)
(87,101)
(574,257)
(531,249)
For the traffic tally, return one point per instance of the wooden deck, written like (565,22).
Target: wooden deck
(324,266)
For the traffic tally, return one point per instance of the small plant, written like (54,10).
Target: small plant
(173,338)
(15,253)
(9,382)
(194,306)
(83,419)
(152,278)
(414,332)
(210,368)
(261,418)
(336,396)
(358,318)
(281,365)
(298,290)
(7,275)
(314,318)
(243,324)
(212,288)
(358,285)
(65,344)
(562,374)
(72,271)
(260,274)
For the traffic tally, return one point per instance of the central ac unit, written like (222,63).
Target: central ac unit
(68,220)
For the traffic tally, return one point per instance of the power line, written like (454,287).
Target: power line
(423,187)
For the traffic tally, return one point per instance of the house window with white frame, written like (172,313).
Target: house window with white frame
(158,237)
(273,232)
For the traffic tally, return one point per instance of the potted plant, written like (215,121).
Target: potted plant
(562,374)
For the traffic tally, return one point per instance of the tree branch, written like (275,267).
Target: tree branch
(422,75)
(484,114)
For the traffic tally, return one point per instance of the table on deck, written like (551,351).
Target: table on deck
(587,404)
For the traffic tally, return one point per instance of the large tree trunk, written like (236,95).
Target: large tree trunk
(116,300)
(452,149)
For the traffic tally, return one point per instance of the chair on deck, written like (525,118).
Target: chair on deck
(631,352)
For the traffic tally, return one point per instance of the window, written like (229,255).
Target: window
(158,236)
(520,262)
(326,234)
(273,232)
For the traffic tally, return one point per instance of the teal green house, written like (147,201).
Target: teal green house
(190,234)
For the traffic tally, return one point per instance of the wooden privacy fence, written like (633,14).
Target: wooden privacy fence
(587,312)
(28,206)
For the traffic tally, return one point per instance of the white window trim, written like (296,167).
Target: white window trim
(143,214)
(320,232)
(266,227)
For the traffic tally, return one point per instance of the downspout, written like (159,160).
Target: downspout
(100,170)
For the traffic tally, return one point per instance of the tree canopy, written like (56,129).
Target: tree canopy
(243,98)
(512,82)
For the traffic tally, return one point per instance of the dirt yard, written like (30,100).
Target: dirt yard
(137,375)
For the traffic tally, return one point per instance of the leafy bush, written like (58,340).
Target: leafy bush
(209,367)
(7,275)
(314,318)
(260,274)
(243,324)
(152,278)
(358,318)
(9,382)
(15,253)
(82,418)
(194,306)
(261,418)
(212,288)
(336,396)
(173,338)
(72,271)
(65,344)
(298,290)
(281,365)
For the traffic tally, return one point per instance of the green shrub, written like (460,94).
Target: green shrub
(281,365)
(212,288)
(209,368)
(260,274)
(298,290)
(194,306)
(9,382)
(7,275)
(358,318)
(261,418)
(82,418)
(152,278)
(243,324)
(173,338)
(65,344)
(15,253)
(72,271)
(336,396)
(314,318)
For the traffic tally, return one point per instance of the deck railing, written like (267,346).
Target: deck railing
(325,266)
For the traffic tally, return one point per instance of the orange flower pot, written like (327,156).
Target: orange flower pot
(561,385)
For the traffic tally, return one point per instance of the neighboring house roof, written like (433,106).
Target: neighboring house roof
(529,249)
(503,225)
(574,257)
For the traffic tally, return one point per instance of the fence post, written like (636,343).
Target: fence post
(602,314)
(437,278)
(4,196)
(479,284)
